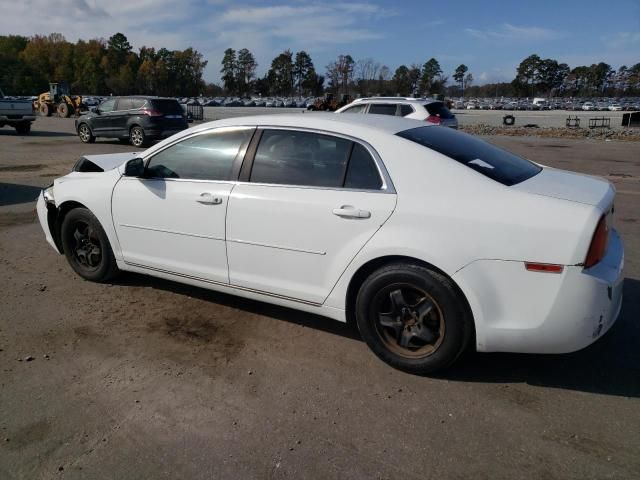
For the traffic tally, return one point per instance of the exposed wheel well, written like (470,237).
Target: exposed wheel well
(372,265)
(56,228)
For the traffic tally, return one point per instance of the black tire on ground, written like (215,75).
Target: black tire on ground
(85,133)
(137,137)
(63,110)
(413,318)
(87,247)
(23,128)
(45,110)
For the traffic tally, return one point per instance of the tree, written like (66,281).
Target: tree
(430,70)
(280,74)
(303,72)
(401,80)
(366,72)
(340,73)
(229,70)
(459,74)
(468,80)
(414,75)
(245,71)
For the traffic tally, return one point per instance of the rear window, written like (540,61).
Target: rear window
(484,158)
(167,106)
(438,109)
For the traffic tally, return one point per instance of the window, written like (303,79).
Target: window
(383,108)
(167,106)
(405,110)
(356,109)
(362,171)
(137,103)
(493,162)
(203,157)
(107,105)
(124,104)
(300,158)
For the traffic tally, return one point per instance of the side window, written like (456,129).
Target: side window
(203,157)
(300,158)
(107,105)
(383,108)
(356,109)
(362,171)
(124,104)
(405,110)
(137,103)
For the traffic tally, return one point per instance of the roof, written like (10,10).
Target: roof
(397,99)
(323,121)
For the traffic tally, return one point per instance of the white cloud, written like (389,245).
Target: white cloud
(622,40)
(507,31)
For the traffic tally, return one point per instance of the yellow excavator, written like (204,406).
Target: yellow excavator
(58,99)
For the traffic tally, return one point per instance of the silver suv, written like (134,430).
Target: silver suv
(432,111)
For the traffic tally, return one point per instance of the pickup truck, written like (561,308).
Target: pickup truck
(17,114)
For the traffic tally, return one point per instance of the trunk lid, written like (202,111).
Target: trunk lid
(574,187)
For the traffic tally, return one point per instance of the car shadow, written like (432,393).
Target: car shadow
(35,133)
(12,194)
(611,366)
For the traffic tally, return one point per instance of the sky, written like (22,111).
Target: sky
(491,37)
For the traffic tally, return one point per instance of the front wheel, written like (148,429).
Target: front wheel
(84,132)
(87,247)
(413,318)
(137,137)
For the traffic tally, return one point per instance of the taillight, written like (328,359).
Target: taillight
(598,245)
(151,113)
(433,119)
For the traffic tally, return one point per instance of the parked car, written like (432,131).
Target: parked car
(615,107)
(588,106)
(136,120)
(17,114)
(429,238)
(432,111)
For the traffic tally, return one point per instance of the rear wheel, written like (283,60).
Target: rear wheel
(84,132)
(137,137)
(413,318)
(87,247)
(23,128)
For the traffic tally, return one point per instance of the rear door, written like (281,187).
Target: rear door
(308,204)
(120,116)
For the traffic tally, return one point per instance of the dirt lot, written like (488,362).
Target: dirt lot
(149,379)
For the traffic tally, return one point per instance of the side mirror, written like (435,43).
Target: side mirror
(134,168)
(95,110)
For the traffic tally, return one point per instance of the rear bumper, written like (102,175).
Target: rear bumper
(531,312)
(43,217)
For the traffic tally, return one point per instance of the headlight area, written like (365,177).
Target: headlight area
(47,193)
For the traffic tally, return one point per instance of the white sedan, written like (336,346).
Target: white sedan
(430,239)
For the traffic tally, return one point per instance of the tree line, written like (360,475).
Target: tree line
(102,67)
(97,66)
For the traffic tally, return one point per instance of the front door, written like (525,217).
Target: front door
(173,219)
(311,203)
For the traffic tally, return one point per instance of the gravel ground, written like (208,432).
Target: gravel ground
(150,379)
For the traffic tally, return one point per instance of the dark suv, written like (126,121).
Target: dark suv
(135,120)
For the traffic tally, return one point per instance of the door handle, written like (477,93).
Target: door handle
(209,199)
(347,211)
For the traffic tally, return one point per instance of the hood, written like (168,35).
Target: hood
(574,187)
(101,163)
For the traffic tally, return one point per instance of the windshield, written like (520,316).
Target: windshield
(493,162)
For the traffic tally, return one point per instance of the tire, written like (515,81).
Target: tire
(63,110)
(45,110)
(137,137)
(85,134)
(23,128)
(87,247)
(422,329)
